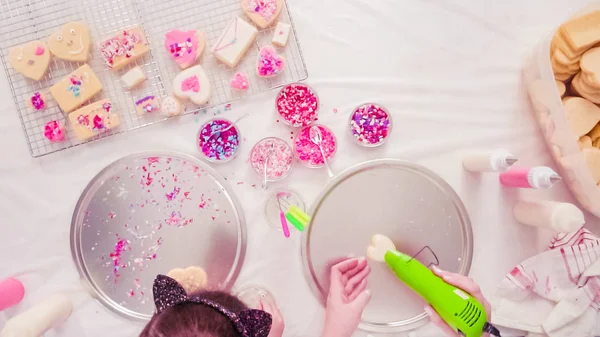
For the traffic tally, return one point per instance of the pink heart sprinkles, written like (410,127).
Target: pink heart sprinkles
(239,81)
(269,63)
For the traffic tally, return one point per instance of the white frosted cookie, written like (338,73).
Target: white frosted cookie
(582,115)
(184,47)
(133,77)
(76,88)
(281,34)
(94,119)
(262,12)
(71,42)
(30,59)
(192,84)
(192,279)
(170,106)
(147,105)
(380,244)
(234,42)
(124,48)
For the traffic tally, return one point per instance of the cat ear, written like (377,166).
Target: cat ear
(257,322)
(167,293)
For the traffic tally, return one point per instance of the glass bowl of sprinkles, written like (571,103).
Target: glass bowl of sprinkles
(370,124)
(278,156)
(308,153)
(218,140)
(297,104)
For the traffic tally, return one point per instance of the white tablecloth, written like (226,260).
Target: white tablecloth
(449,70)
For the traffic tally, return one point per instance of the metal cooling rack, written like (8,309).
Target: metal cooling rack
(22,21)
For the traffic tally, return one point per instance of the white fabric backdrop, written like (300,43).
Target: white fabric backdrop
(449,70)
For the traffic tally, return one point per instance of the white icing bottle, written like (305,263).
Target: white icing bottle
(494,161)
(39,319)
(559,216)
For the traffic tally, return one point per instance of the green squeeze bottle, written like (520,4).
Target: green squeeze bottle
(461,311)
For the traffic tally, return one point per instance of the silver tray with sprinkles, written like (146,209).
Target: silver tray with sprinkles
(406,202)
(147,214)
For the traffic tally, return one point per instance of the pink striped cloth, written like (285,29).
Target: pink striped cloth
(555,293)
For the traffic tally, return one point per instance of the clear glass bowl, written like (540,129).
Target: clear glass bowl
(350,128)
(204,155)
(287,122)
(260,166)
(300,133)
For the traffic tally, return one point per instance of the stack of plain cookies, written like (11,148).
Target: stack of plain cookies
(575,59)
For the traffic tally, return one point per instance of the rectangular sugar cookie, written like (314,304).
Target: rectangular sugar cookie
(133,78)
(94,119)
(281,34)
(74,90)
(124,47)
(234,42)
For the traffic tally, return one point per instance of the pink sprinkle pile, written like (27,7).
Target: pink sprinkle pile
(278,156)
(309,153)
(54,131)
(370,124)
(297,104)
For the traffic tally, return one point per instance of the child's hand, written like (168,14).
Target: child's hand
(465,283)
(278,323)
(347,298)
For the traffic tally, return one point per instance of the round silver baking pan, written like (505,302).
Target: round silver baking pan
(408,203)
(148,213)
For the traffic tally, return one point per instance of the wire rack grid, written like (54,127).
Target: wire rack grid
(28,20)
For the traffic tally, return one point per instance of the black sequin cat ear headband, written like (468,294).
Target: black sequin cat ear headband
(249,323)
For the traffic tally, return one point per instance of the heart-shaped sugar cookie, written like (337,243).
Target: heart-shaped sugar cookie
(192,84)
(380,244)
(184,47)
(71,42)
(30,59)
(192,279)
(269,63)
(262,12)
(239,81)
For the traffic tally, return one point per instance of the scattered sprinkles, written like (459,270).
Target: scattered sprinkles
(54,131)
(309,153)
(218,145)
(370,124)
(120,247)
(265,8)
(297,104)
(278,156)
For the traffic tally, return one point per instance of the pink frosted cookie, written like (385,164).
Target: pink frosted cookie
(269,63)
(54,131)
(239,82)
(184,47)
(37,101)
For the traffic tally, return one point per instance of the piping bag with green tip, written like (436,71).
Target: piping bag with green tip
(461,311)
